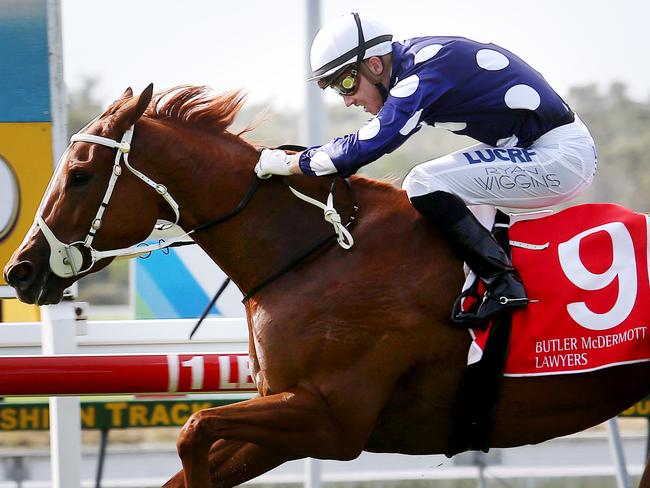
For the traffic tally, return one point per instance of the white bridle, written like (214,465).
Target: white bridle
(66,260)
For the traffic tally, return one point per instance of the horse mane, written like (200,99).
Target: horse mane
(197,107)
(200,108)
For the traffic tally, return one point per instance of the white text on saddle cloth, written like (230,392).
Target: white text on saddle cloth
(593,287)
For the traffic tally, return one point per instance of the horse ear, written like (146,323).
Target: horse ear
(141,105)
(128,93)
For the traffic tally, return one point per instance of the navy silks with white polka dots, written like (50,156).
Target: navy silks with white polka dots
(479,90)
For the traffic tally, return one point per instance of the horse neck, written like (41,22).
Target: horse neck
(271,232)
(209,177)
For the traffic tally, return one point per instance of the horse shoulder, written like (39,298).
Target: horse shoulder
(385,301)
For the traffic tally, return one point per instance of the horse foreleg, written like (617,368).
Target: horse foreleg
(294,424)
(233,463)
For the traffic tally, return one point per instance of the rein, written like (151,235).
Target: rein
(286,268)
(67,260)
(312,250)
(346,244)
(341,234)
(248,196)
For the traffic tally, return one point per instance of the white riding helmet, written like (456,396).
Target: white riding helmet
(346,40)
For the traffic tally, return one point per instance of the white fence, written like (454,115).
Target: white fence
(64,330)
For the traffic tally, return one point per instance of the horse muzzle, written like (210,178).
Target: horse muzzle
(34,284)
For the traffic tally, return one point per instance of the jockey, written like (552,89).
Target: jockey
(533,152)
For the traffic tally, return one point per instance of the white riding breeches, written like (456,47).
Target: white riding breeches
(554,169)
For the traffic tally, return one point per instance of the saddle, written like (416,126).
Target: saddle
(586,271)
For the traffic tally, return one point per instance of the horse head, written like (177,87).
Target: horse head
(82,199)
(140,162)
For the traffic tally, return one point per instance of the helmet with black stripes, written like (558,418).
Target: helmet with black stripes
(347,40)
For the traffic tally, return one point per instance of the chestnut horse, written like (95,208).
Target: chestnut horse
(351,350)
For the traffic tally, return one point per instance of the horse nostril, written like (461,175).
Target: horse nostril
(20,275)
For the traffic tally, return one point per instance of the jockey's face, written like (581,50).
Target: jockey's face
(367,95)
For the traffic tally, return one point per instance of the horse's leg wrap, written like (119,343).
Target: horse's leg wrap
(294,424)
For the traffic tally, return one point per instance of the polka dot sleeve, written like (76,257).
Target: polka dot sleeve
(399,118)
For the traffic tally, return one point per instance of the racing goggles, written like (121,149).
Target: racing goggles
(346,83)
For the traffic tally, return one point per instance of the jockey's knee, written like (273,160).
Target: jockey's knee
(421,182)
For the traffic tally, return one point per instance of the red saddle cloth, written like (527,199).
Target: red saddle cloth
(587,277)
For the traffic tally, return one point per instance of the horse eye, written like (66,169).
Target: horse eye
(79,178)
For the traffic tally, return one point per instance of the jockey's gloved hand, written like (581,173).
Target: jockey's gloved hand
(272,162)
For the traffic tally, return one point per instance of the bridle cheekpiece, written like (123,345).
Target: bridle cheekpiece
(67,260)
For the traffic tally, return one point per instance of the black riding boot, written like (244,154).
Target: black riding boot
(482,253)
